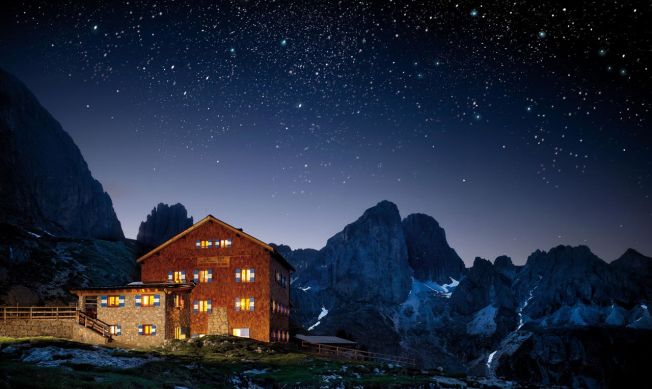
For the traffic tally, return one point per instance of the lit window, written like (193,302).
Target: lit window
(178,301)
(115,330)
(245,275)
(241,332)
(147,300)
(205,275)
(204,244)
(147,329)
(113,301)
(224,243)
(244,304)
(179,333)
(178,277)
(205,306)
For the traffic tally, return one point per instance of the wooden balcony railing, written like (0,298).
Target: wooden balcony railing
(358,355)
(29,313)
(94,324)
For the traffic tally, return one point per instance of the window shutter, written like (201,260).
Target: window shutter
(140,329)
(103,301)
(251,275)
(237,303)
(121,301)
(195,275)
(157,300)
(195,306)
(209,304)
(170,276)
(237,275)
(210,275)
(197,244)
(137,299)
(118,330)
(251,303)
(153,329)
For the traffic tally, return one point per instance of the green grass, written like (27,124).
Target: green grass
(209,362)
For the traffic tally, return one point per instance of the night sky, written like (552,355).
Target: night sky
(517,125)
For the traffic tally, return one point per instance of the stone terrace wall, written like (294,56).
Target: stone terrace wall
(61,328)
(86,335)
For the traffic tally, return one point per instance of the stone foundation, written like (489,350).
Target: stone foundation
(17,328)
(86,335)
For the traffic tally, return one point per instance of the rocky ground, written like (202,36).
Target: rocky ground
(212,361)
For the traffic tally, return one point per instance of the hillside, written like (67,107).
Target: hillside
(212,361)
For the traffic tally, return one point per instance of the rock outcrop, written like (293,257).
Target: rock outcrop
(429,255)
(45,182)
(359,258)
(162,223)
(38,269)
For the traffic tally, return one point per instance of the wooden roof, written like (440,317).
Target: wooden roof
(324,339)
(211,218)
(138,285)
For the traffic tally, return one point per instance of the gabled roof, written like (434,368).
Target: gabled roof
(211,218)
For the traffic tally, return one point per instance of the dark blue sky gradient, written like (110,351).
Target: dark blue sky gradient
(522,127)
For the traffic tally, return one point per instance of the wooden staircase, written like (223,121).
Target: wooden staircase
(95,325)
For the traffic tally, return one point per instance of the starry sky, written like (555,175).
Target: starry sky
(517,125)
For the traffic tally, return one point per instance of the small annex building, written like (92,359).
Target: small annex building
(210,279)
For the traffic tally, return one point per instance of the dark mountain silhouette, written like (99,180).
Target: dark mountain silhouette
(58,229)
(429,255)
(162,223)
(45,181)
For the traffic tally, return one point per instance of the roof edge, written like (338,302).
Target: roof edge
(197,225)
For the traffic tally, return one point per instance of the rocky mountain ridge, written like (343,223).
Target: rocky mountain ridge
(46,183)
(162,223)
(387,288)
(58,229)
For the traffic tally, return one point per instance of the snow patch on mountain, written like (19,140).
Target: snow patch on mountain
(322,315)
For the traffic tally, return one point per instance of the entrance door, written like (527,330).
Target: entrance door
(90,306)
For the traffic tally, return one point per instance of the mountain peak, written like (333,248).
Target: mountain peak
(384,207)
(45,180)
(429,253)
(162,223)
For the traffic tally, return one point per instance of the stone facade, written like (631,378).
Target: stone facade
(129,317)
(218,322)
(136,324)
(60,328)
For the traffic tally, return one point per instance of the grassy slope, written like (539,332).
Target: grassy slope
(210,362)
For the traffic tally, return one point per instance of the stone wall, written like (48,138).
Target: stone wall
(130,317)
(86,335)
(218,323)
(60,328)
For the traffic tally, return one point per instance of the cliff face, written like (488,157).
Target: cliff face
(430,256)
(45,181)
(389,286)
(162,223)
(359,258)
